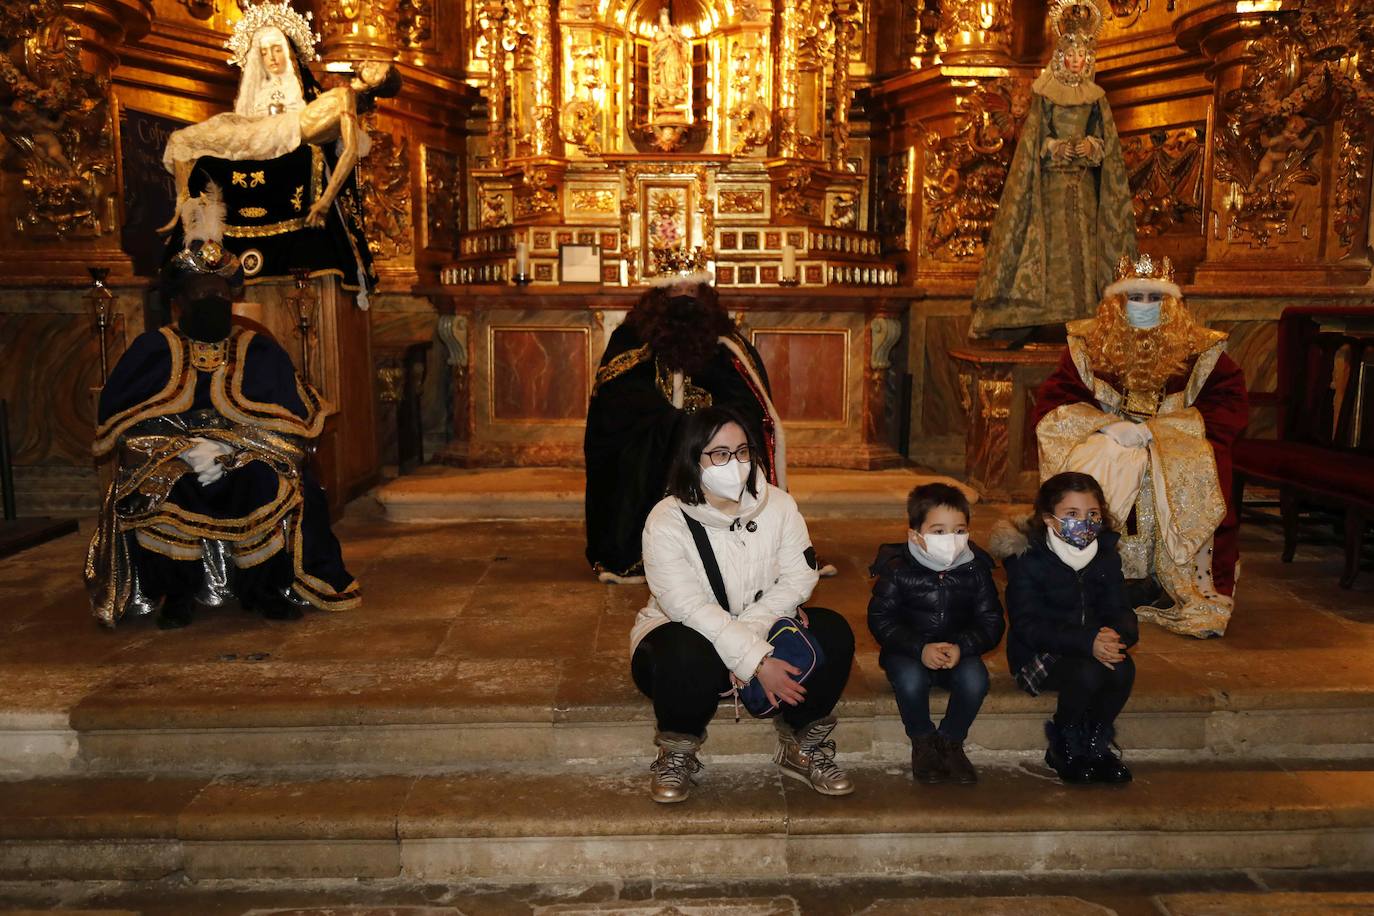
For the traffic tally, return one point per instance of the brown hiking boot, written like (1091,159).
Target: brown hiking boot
(673,770)
(927,763)
(808,754)
(956,761)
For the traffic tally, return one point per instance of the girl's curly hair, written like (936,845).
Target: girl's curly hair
(682,330)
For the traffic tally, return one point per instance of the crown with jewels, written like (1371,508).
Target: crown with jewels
(1076,17)
(1144,274)
(680,265)
(293,25)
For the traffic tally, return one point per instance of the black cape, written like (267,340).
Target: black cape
(631,426)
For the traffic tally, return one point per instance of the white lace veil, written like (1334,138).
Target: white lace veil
(259,89)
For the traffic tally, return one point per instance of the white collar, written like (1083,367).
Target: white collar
(749,507)
(1074,557)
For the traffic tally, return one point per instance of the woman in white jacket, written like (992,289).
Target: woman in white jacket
(688,650)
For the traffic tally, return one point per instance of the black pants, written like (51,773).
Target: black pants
(678,668)
(1089,689)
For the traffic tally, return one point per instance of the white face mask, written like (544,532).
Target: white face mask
(1143,313)
(943,549)
(726,480)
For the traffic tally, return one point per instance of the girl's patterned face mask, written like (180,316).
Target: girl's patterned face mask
(1080,532)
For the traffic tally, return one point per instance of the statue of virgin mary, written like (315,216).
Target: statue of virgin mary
(1066,217)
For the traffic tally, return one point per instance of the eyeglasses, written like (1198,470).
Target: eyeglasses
(721,456)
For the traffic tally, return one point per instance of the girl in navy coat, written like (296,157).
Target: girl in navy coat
(1071,626)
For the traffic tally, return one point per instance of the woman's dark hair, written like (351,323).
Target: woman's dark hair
(1055,488)
(682,330)
(922,499)
(697,429)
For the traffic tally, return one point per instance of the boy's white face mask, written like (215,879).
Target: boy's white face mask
(942,549)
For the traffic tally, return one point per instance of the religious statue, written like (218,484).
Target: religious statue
(1066,215)
(285,156)
(670,81)
(209,428)
(677,351)
(1147,401)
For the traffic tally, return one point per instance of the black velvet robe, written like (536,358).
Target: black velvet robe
(631,425)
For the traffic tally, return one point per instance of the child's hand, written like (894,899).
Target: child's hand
(775,676)
(933,656)
(1108,647)
(953,655)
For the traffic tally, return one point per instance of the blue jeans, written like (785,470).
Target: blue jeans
(967,683)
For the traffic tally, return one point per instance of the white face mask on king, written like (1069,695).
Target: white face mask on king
(943,549)
(1143,310)
(726,480)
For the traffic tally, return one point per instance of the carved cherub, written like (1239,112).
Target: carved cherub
(1277,148)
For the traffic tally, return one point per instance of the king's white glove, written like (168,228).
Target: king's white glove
(1127,434)
(203,458)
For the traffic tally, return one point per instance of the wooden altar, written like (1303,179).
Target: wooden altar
(524,360)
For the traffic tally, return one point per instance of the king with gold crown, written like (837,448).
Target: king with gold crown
(1146,400)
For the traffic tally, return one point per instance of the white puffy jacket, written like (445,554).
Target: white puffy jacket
(768,573)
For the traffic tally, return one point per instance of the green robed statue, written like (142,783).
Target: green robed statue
(1065,217)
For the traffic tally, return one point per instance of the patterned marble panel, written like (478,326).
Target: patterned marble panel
(1254,345)
(538,373)
(396,329)
(807,371)
(48,365)
(943,413)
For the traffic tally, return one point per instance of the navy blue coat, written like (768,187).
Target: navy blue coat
(1057,610)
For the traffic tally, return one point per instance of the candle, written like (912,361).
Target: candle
(789,262)
(624,273)
(634,229)
(522,259)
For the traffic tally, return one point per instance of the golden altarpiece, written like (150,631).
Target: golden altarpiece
(838,161)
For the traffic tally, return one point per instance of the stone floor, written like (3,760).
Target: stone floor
(482,646)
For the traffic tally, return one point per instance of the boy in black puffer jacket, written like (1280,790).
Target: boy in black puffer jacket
(934,612)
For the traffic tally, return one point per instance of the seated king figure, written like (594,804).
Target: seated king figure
(1147,401)
(210,429)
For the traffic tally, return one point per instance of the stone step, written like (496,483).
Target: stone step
(743,821)
(375,717)
(442,494)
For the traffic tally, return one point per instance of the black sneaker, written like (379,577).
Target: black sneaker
(927,761)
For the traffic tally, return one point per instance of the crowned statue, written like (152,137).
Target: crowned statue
(677,351)
(209,429)
(284,157)
(1065,216)
(1147,401)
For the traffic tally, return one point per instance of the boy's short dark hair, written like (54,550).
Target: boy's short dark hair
(922,499)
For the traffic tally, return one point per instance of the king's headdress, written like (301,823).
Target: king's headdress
(673,266)
(1144,275)
(293,25)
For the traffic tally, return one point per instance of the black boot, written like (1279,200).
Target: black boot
(1106,763)
(274,605)
(1067,753)
(176,612)
(927,762)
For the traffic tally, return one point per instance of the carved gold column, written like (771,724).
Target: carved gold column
(541,96)
(843,17)
(498,135)
(1288,187)
(355,30)
(789,75)
(58,188)
(975,32)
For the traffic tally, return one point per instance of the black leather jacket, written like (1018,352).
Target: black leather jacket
(913,605)
(1057,610)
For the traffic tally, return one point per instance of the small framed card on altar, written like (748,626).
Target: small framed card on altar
(579,263)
